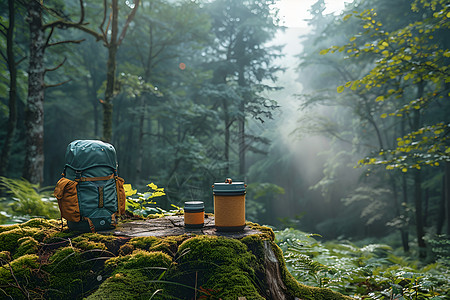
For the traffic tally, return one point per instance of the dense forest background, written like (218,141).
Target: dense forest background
(352,143)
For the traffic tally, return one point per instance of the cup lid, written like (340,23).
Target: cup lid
(229,187)
(191,205)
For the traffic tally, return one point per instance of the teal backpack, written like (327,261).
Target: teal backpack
(90,194)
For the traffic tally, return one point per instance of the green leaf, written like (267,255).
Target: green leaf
(324,51)
(347,17)
(340,89)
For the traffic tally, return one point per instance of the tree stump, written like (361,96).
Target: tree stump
(146,259)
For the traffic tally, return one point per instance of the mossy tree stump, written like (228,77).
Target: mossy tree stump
(146,259)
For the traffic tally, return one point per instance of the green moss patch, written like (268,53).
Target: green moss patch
(135,276)
(17,277)
(223,266)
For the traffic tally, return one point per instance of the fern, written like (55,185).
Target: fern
(369,272)
(28,200)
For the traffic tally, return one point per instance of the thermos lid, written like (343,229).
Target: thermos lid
(229,188)
(194,205)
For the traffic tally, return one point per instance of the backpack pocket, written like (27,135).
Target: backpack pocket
(66,193)
(120,194)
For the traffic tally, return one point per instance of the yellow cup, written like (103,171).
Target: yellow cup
(229,206)
(194,214)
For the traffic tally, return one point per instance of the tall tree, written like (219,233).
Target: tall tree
(11,62)
(34,114)
(242,30)
(111,40)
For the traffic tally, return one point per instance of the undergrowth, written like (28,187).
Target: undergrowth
(369,272)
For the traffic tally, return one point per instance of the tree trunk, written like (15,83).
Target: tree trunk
(447,194)
(418,184)
(110,75)
(12,118)
(441,211)
(34,114)
(241,125)
(419,214)
(404,232)
(227,123)
(140,145)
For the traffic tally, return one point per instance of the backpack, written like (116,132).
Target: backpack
(90,193)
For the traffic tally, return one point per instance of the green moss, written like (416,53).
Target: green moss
(8,227)
(135,276)
(42,223)
(27,245)
(126,249)
(267,232)
(83,242)
(65,259)
(22,268)
(225,266)
(9,240)
(5,256)
(167,245)
(69,274)
(128,286)
(145,242)
(139,259)
(255,244)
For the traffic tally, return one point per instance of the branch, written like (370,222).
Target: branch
(57,67)
(21,60)
(57,84)
(104,17)
(78,25)
(48,38)
(127,23)
(66,42)
(62,22)
(3,55)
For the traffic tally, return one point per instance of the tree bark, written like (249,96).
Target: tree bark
(110,74)
(419,214)
(227,124)
(447,194)
(241,125)
(12,117)
(420,232)
(34,114)
(441,211)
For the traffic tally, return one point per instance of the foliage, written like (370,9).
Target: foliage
(27,200)
(143,204)
(369,272)
(411,56)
